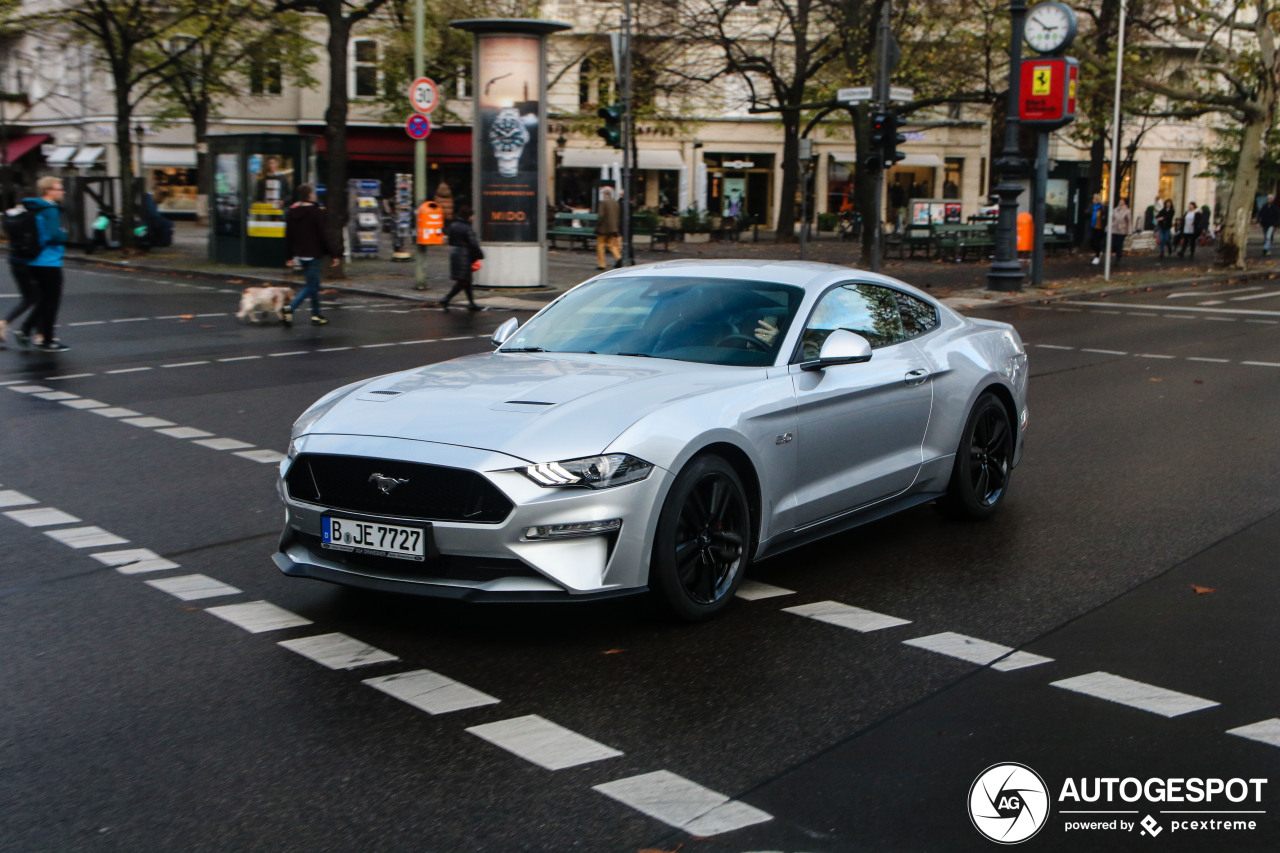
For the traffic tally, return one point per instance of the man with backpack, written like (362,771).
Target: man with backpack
(45,267)
(20,229)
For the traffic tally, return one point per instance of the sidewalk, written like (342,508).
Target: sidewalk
(961,285)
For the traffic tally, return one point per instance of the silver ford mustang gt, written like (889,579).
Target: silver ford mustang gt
(656,428)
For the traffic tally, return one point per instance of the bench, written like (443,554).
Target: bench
(915,237)
(573,227)
(656,233)
(953,240)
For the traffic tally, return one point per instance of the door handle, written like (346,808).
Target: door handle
(916,377)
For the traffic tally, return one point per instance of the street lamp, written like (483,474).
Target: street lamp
(1005,272)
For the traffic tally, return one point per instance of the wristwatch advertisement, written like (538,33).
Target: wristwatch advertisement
(508,89)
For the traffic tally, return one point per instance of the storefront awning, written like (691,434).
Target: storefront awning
(165,155)
(660,159)
(60,155)
(590,158)
(88,155)
(393,145)
(16,148)
(909,160)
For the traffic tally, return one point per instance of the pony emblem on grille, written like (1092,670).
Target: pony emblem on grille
(385,484)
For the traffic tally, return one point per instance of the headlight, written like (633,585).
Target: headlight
(596,472)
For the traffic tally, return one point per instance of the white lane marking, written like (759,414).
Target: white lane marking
(217,314)
(264,456)
(1051,346)
(334,349)
(1261,363)
(128,370)
(1152,355)
(751,590)
(56,395)
(1069,310)
(84,403)
(184,364)
(1254,312)
(846,616)
(1265,731)
(148,422)
(131,319)
(1181,293)
(11,498)
(1105,351)
(285,354)
(686,805)
(28,389)
(1272,295)
(1135,694)
(257,617)
(134,561)
(1267,322)
(430,691)
(977,651)
(544,743)
(240,358)
(1213,302)
(1215,319)
(222,443)
(1142,314)
(68,376)
(43,517)
(337,651)
(423,341)
(375,346)
(89,323)
(193,587)
(9,382)
(116,412)
(461,338)
(85,537)
(173,316)
(184,432)
(1209,360)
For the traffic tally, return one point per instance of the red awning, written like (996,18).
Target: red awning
(393,145)
(16,148)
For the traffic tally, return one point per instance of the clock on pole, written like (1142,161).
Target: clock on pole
(1050,27)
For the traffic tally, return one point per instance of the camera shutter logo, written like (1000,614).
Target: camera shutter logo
(1008,803)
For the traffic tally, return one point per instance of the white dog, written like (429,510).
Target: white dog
(256,301)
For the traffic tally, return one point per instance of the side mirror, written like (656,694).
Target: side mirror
(840,347)
(504,332)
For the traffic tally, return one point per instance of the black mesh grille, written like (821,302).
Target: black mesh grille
(429,492)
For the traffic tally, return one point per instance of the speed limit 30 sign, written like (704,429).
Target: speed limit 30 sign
(423,94)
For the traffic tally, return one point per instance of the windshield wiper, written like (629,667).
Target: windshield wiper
(525,349)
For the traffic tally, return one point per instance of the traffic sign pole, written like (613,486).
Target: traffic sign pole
(419,152)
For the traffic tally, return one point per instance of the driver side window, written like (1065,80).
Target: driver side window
(865,309)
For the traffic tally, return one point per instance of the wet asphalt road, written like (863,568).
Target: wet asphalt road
(131,719)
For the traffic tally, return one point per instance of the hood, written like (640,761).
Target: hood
(540,407)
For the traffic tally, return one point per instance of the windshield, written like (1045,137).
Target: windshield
(705,320)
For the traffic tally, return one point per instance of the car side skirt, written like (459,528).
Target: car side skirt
(796,538)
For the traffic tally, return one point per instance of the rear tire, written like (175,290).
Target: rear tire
(984,462)
(703,544)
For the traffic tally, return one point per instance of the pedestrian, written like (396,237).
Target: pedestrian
(21,272)
(1098,222)
(45,270)
(1187,234)
(306,241)
(608,228)
(1121,226)
(465,255)
(1164,227)
(444,198)
(1149,218)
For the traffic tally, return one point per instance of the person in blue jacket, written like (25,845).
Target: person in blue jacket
(46,268)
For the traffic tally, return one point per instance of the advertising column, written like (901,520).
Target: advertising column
(509,164)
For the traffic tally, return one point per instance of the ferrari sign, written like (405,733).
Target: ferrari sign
(1048,92)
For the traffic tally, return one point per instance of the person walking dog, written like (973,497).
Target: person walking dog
(305,242)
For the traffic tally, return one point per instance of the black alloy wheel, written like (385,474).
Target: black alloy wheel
(984,462)
(702,547)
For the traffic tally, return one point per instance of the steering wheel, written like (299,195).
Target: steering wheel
(746,339)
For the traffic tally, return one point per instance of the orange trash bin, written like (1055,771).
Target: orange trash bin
(430,224)
(1026,232)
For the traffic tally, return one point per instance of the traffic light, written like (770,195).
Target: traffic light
(892,139)
(612,130)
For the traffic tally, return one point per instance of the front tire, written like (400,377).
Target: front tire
(984,462)
(703,542)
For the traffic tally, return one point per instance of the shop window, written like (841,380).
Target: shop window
(265,72)
(839,187)
(953,182)
(364,82)
(595,83)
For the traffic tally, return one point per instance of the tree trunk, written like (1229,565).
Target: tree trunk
(124,150)
(335,129)
(1239,208)
(786,232)
(204,175)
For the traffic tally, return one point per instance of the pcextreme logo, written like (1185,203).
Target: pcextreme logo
(1008,803)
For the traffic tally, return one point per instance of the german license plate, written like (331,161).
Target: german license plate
(371,537)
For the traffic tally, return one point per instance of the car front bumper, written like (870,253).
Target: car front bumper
(495,562)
